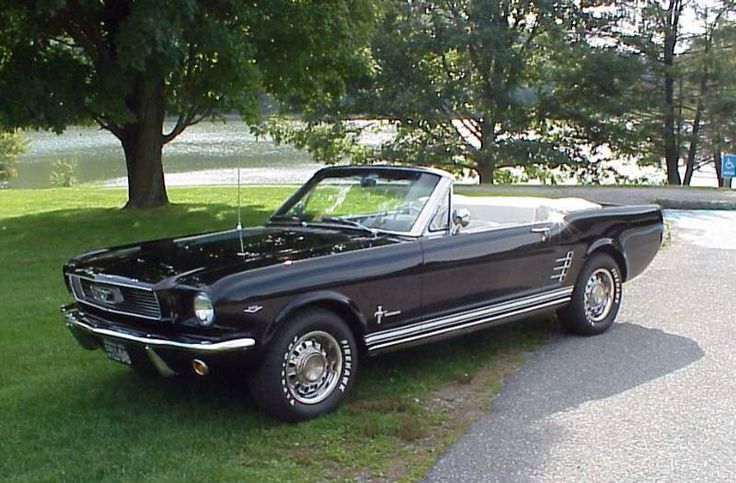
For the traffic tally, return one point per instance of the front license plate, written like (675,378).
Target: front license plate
(117,352)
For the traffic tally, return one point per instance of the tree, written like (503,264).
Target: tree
(12,143)
(669,23)
(126,64)
(478,85)
(685,73)
(719,100)
(651,29)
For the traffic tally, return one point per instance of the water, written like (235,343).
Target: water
(206,153)
(209,153)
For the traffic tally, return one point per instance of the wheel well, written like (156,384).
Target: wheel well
(345,314)
(616,255)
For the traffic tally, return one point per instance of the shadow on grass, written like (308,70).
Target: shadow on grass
(72,229)
(401,375)
(409,372)
(95,419)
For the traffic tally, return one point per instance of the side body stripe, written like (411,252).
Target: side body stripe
(467,319)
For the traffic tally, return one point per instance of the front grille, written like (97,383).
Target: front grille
(117,298)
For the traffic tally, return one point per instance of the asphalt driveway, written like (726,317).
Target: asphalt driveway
(652,399)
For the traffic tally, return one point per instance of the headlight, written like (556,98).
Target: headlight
(203,309)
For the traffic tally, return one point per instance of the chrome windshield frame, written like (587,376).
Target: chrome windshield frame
(421,222)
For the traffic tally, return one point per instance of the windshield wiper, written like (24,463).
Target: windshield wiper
(347,222)
(289,218)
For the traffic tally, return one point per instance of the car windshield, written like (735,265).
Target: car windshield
(369,200)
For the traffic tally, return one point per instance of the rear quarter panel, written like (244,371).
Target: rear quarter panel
(635,232)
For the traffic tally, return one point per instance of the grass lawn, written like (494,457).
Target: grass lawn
(70,414)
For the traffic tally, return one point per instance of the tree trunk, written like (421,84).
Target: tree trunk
(671,148)
(485,172)
(142,142)
(485,158)
(694,137)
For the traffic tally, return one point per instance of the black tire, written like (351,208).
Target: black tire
(575,317)
(315,339)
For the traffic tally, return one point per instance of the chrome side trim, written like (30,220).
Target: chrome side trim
(470,324)
(562,266)
(202,347)
(490,310)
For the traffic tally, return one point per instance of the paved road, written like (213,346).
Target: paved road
(654,399)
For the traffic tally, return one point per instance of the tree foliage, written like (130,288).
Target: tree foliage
(126,64)
(12,143)
(476,85)
(685,77)
(713,72)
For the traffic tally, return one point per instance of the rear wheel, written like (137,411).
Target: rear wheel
(596,298)
(307,369)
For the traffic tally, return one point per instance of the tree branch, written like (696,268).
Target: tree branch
(190,118)
(114,128)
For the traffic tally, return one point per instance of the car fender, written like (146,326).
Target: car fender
(609,244)
(328,299)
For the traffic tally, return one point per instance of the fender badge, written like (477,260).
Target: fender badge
(252,309)
(380,314)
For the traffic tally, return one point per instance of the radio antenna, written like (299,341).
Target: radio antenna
(239,226)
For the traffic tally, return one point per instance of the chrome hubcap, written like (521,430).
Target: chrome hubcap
(599,294)
(313,367)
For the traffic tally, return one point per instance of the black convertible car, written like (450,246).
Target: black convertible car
(359,261)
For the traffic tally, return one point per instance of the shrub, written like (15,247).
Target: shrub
(12,143)
(63,173)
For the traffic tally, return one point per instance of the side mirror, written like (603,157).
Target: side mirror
(460,219)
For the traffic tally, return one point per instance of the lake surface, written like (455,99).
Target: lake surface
(206,153)
(209,153)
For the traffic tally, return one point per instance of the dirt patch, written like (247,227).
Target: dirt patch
(442,417)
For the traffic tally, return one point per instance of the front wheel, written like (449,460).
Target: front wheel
(596,298)
(308,368)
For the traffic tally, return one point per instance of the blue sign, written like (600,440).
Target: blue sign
(728,166)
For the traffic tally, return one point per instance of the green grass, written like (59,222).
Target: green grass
(70,414)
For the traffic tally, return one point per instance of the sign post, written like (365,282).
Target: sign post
(728,165)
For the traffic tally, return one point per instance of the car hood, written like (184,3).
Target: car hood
(202,259)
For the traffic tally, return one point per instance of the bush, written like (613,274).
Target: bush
(63,173)
(12,143)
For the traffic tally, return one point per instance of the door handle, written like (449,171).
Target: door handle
(544,230)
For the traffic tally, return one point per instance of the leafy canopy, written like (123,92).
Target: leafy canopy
(71,61)
(479,84)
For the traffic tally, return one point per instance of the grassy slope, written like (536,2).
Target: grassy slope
(70,414)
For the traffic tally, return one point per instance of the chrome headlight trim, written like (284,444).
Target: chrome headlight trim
(204,310)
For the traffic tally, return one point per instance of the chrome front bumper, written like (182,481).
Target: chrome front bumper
(76,321)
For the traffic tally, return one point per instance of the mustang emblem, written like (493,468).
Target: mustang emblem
(380,314)
(106,295)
